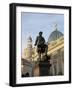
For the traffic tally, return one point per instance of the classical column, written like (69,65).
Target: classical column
(62,60)
(54,63)
(60,63)
(52,71)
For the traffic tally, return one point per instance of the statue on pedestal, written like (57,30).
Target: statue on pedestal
(44,61)
(41,46)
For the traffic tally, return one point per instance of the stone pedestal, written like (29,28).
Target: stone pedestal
(44,68)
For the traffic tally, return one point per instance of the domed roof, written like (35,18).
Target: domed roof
(55,35)
(29,39)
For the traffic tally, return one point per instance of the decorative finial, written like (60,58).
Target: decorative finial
(56,27)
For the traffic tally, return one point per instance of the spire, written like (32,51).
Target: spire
(29,39)
(56,27)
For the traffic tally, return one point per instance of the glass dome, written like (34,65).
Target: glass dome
(55,35)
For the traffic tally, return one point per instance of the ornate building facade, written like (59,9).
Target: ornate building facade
(29,50)
(55,50)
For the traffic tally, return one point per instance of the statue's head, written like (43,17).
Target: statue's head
(40,33)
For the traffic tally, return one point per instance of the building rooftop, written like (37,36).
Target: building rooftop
(55,35)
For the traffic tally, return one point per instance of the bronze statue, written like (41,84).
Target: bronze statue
(41,46)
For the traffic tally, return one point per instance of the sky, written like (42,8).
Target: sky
(32,23)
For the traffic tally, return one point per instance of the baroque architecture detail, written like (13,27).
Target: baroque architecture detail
(55,51)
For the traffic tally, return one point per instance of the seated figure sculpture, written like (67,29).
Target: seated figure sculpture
(41,46)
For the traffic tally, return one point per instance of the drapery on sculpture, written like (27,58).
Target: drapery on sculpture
(41,45)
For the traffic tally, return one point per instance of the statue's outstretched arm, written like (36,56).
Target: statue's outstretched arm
(36,41)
